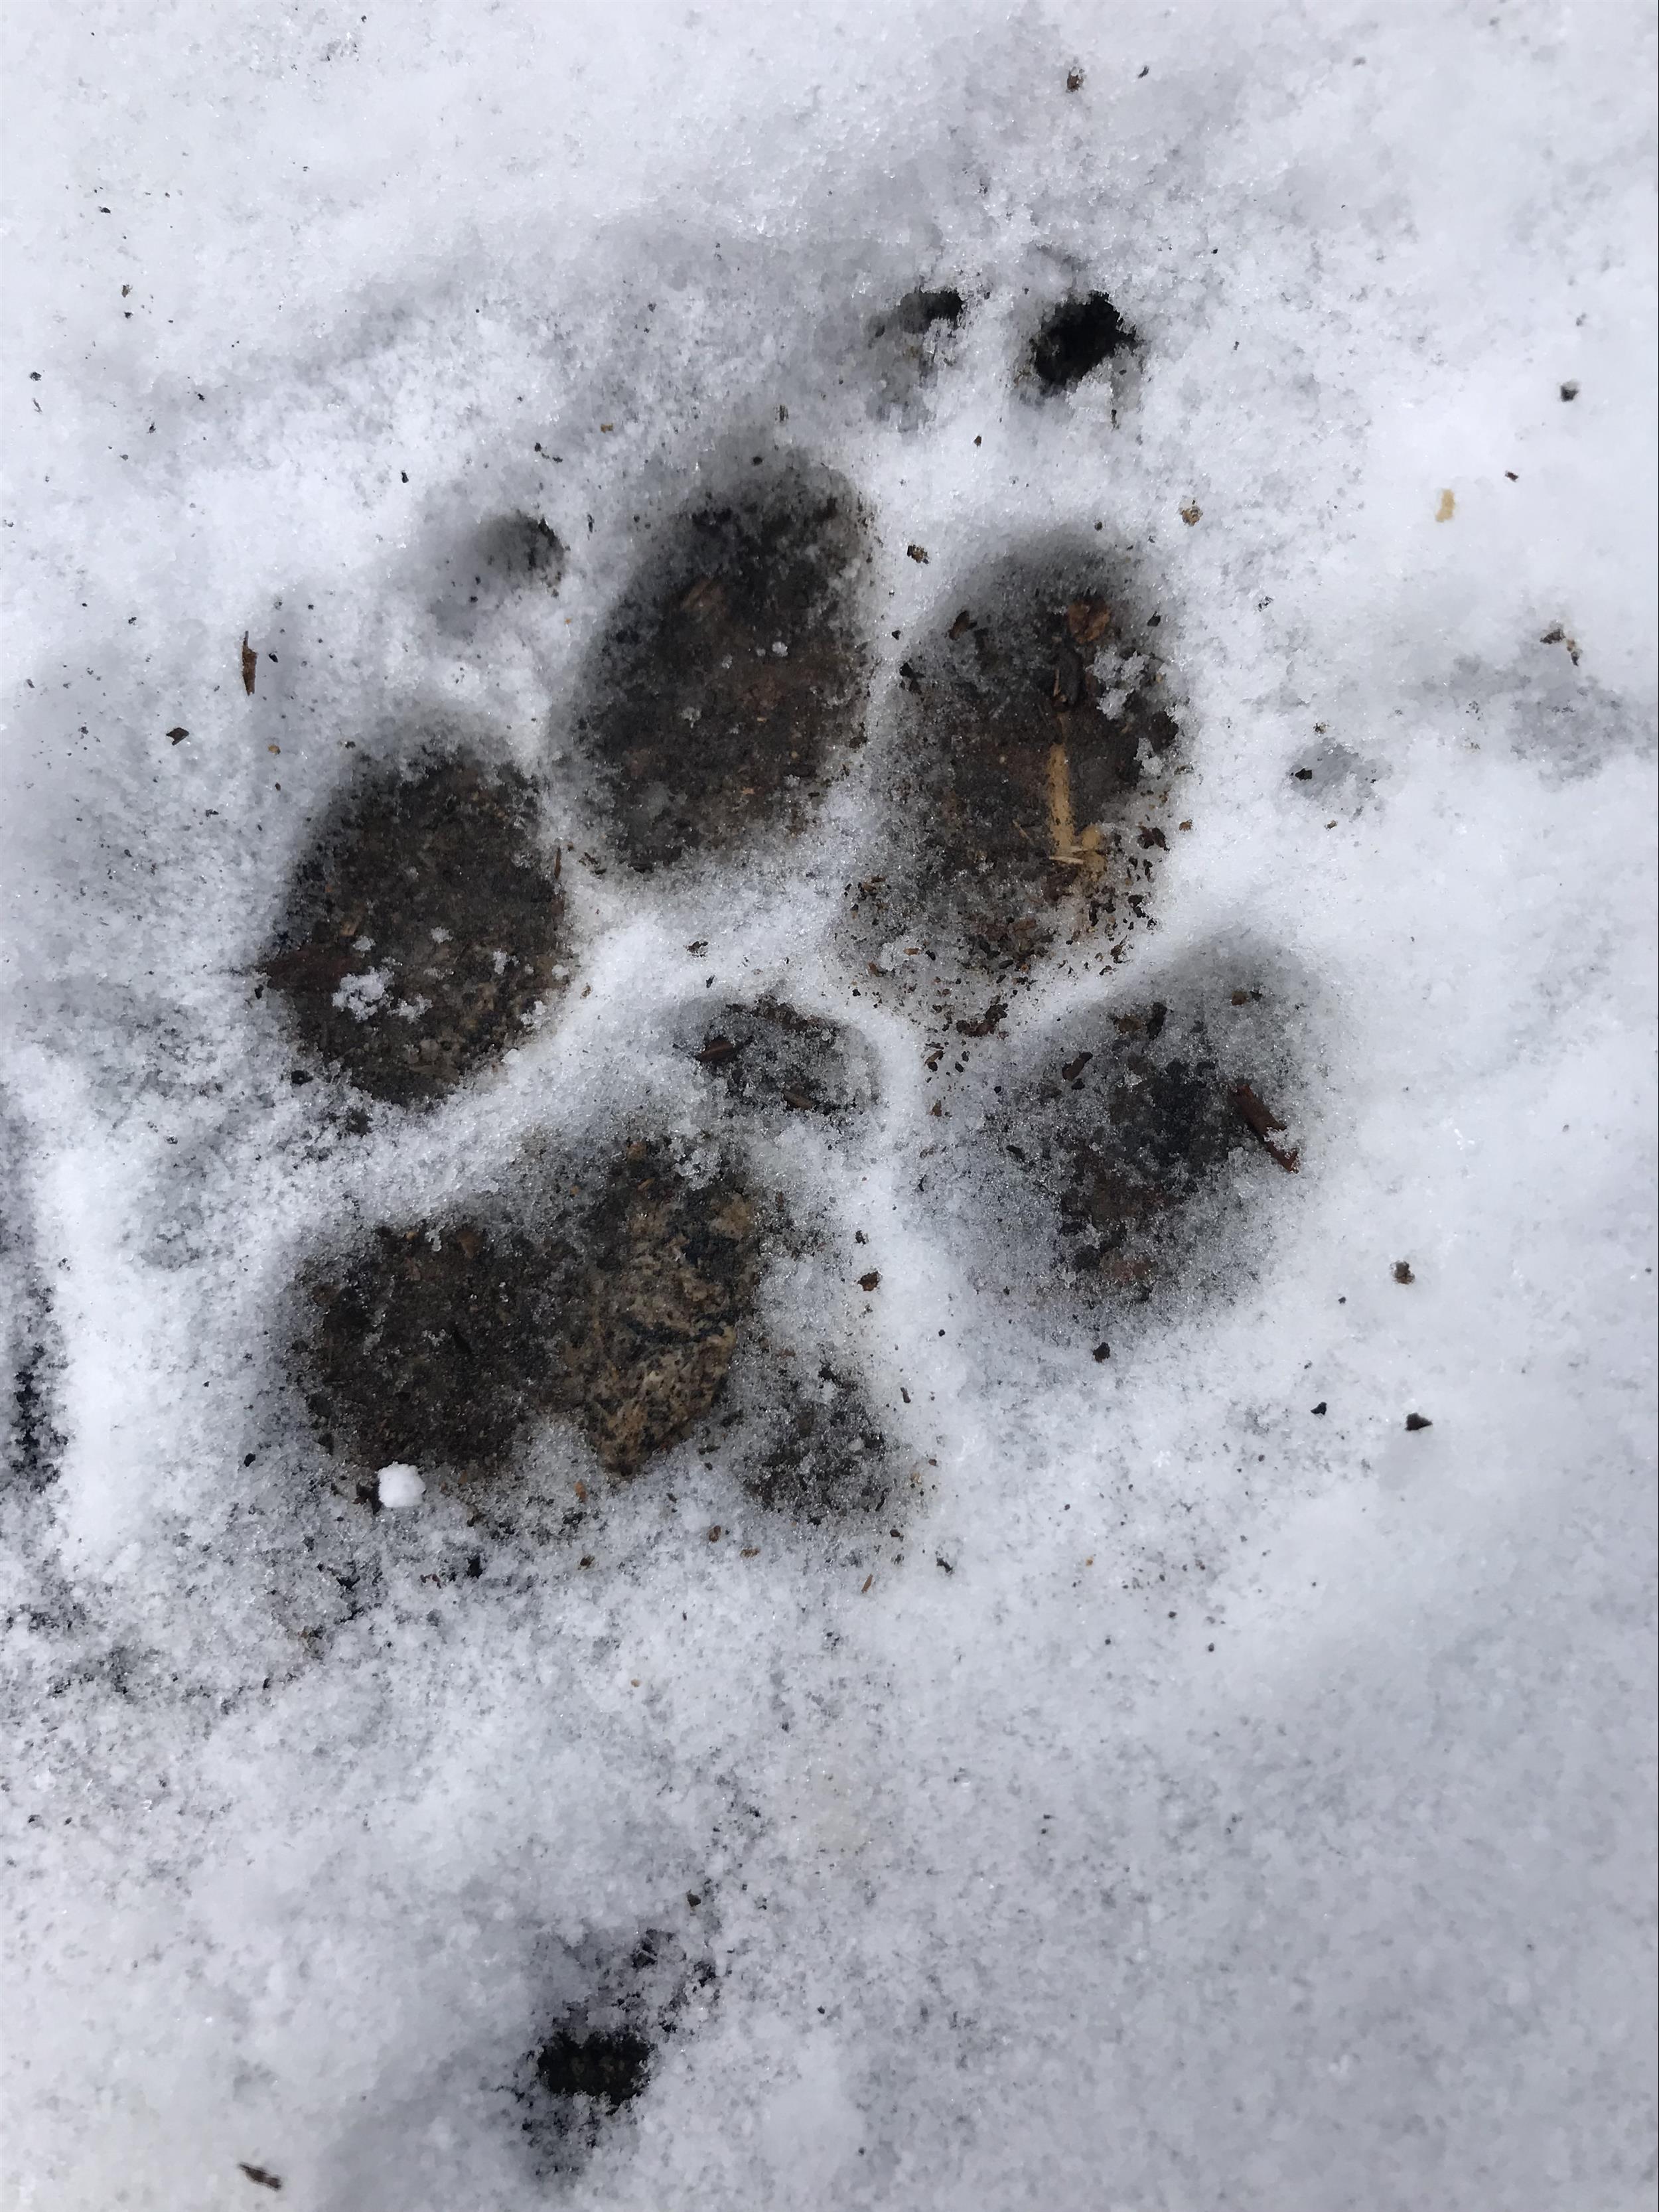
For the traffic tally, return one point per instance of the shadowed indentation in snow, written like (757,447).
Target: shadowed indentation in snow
(423,929)
(918,311)
(1035,730)
(772,1062)
(1135,1146)
(908,344)
(506,554)
(616,1299)
(1076,338)
(596,2055)
(730,684)
(807,1444)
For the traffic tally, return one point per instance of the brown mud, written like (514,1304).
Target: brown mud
(730,683)
(423,928)
(440,1345)
(1037,738)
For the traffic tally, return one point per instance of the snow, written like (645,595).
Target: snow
(400,1484)
(1204,1801)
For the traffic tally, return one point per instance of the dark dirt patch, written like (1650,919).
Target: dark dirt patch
(918,311)
(730,683)
(669,1276)
(619,1303)
(35,1443)
(1076,338)
(809,1445)
(1036,727)
(609,2067)
(434,1345)
(596,2056)
(423,927)
(771,1061)
(1127,1120)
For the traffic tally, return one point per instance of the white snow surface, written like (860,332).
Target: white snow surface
(400,1484)
(1253,1810)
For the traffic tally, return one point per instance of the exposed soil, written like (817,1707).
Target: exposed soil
(918,311)
(669,1276)
(1036,725)
(809,1445)
(423,927)
(440,1345)
(1127,1121)
(730,683)
(434,1345)
(596,2056)
(772,1060)
(610,2067)
(1076,338)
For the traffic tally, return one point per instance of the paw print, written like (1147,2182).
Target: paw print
(938,874)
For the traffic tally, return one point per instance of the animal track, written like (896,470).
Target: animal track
(1137,1138)
(1076,337)
(729,684)
(618,1301)
(1034,731)
(424,926)
(1014,803)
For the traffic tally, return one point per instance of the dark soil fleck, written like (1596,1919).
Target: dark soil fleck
(1416,1421)
(1402,1271)
(260,2174)
(441,1344)
(730,683)
(423,927)
(1076,338)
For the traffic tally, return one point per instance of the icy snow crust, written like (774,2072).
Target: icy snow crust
(1211,1793)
